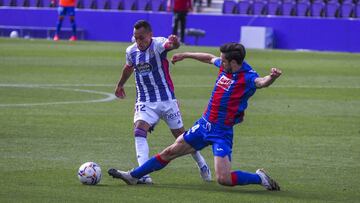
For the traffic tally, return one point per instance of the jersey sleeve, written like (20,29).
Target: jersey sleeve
(217,62)
(128,59)
(159,44)
(250,76)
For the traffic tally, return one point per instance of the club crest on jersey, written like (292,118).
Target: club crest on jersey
(143,68)
(224,82)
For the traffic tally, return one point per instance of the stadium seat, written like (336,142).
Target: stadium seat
(347,1)
(129,5)
(317,8)
(46,3)
(273,7)
(88,4)
(165,4)
(288,8)
(23,3)
(229,7)
(332,9)
(28,3)
(244,7)
(9,3)
(259,7)
(143,5)
(33,3)
(157,5)
(302,8)
(78,4)
(102,4)
(357,10)
(347,9)
(115,4)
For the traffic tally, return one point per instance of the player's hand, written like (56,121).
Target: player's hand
(173,38)
(275,72)
(177,57)
(120,92)
(172,42)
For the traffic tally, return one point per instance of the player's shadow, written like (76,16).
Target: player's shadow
(252,190)
(214,187)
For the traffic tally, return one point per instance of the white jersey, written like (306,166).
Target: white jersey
(153,81)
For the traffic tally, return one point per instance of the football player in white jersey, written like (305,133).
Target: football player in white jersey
(155,98)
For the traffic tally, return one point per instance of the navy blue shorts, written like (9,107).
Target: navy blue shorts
(204,133)
(66,11)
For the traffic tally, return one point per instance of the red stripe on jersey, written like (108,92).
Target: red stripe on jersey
(216,101)
(165,64)
(235,99)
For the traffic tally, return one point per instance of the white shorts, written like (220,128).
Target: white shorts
(151,112)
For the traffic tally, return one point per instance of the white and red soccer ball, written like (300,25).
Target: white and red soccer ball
(89,173)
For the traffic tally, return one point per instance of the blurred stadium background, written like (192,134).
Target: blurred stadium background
(330,25)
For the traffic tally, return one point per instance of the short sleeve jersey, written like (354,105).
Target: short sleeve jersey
(152,76)
(229,98)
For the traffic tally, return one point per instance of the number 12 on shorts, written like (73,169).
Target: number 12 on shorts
(140,107)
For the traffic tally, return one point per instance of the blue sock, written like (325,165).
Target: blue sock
(73,26)
(58,26)
(154,164)
(244,178)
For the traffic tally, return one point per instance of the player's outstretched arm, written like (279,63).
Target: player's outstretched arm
(269,79)
(126,73)
(203,57)
(172,42)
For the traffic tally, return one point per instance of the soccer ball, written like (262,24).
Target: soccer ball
(14,34)
(89,173)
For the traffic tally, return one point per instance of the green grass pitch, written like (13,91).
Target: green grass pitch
(304,130)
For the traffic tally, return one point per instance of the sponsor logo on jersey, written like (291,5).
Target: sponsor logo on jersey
(224,82)
(143,68)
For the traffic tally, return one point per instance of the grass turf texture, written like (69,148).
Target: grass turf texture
(304,130)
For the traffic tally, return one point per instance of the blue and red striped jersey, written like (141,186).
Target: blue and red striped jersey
(230,95)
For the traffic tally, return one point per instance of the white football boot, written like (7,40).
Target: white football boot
(123,175)
(267,182)
(205,173)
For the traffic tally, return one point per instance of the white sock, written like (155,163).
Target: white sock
(142,150)
(200,161)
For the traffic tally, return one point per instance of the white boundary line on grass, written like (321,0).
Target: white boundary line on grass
(179,85)
(109,96)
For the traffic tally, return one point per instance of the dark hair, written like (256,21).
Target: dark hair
(233,51)
(143,23)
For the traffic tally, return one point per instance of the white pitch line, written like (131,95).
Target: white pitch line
(179,85)
(109,96)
